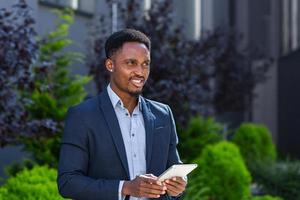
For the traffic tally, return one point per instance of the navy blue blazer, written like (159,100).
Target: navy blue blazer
(92,155)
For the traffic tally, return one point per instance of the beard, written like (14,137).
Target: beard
(127,87)
(135,93)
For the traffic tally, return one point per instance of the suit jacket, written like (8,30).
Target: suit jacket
(92,155)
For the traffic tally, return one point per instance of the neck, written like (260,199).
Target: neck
(129,101)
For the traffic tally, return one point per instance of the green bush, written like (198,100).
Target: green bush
(222,171)
(279,179)
(255,143)
(38,183)
(199,133)
(267,197)
(196,189)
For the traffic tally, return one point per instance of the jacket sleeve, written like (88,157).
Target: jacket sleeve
(173,153)
(72,178)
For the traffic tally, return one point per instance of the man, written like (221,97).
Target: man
(116,144)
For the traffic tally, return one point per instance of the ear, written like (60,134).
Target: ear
(109,65)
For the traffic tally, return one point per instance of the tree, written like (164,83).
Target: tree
(18,51)
(175,78)
(195,77)
(36,85)
(55,90)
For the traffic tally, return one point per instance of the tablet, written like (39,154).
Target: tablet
(180,170)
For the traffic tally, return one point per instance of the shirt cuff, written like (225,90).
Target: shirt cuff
(121,197)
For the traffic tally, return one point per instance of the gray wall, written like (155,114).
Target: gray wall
(258,22)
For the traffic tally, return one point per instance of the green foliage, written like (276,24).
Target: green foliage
(55,89)
(280,179)
(267,197)
(16,167)
(35,184)
(196,188)
(18,50)
(255,143)
(200,132)
(222,170)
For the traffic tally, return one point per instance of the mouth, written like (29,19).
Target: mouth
(137,82)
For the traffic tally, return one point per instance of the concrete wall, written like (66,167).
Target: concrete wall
(258,22)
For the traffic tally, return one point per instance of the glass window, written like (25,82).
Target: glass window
(294,25)
(290,26)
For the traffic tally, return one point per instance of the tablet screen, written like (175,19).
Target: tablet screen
(180,170)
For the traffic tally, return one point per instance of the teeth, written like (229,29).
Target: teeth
(137,81)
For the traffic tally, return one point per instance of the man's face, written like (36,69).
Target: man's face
(129,67)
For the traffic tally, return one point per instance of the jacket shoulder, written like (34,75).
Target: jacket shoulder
(89,105)
(156,106)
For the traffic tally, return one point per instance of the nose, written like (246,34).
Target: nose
(140,69)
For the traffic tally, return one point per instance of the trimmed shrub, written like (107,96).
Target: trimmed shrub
(199,133)
(255,143)
(222,170)
(279,179)
(196,188)
(267,197)
(35,184)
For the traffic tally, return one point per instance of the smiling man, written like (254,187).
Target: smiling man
(116,144)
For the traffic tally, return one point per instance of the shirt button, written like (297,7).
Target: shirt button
(126,114)
(134,155)
(132,135)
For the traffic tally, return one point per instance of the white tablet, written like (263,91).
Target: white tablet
(180,170)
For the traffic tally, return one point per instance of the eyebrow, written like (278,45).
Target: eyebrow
(134,59)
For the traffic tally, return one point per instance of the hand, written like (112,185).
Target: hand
(175,186)
(144,186)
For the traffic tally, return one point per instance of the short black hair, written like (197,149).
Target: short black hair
(117,39)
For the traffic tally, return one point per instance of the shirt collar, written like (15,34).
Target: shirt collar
(115,99)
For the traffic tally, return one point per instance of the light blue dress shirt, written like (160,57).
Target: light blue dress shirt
(134,137)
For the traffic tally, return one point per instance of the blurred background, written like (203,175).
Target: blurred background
(227,68)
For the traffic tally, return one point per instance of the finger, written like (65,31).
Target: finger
(151,180)
(151,193)
(173,191)
(153,196)
(154,186)
(176,181)
(175,186)
(181,180)
(144,189)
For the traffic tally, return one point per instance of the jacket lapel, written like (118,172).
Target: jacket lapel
(149,126)
(114,128)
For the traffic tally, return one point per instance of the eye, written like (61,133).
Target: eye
(131,62)
(146,64)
